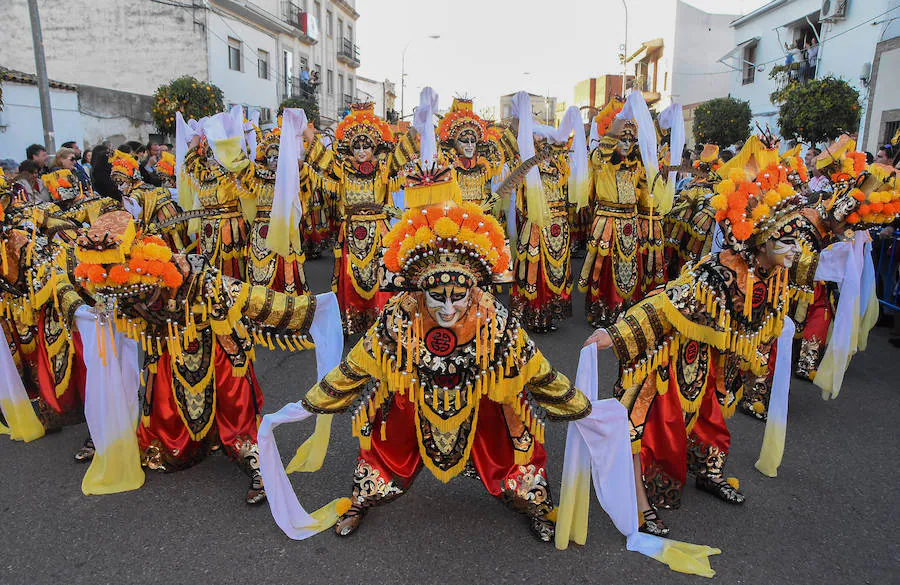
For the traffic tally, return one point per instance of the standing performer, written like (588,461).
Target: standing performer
(542,290)
(197,329)
(362,168)
(625,258)
(257,187)
(688,352)
(447,378)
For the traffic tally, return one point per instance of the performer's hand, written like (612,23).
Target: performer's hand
(601,338)
(195,141)
(309,133)
(616,127)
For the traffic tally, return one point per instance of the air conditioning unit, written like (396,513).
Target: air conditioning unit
(833,10)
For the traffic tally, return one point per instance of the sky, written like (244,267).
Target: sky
(488,48)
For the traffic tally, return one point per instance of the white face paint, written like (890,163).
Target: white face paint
(272,159)
(784,251)
(447,304)
(465,145)
(362,154)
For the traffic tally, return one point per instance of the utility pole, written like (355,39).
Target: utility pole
(43,83)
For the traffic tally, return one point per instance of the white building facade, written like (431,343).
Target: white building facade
(118,52)
(847,33)
(381,93)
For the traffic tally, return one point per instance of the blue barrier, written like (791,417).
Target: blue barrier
(886,268)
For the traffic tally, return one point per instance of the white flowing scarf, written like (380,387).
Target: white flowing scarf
(110,406)
(14,403)
(598,447)
(290,516)
(636,108)
(535,202)
(672,119)
(776,421)
(284,219)
(423,122)
(579,172)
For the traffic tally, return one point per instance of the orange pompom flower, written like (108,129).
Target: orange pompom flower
(118,275)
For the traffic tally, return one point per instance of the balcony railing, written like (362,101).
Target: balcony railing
(347,101)
(299,19)
(348,53)
(306,90)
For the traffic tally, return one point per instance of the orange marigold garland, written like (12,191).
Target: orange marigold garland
(747,204)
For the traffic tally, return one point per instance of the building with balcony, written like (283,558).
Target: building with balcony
(253,50)
(856,40)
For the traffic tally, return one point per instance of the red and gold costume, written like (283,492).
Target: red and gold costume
(689,351)
(256,182)
(364,189)
(223,235)
(471,397)
(625,258)
(198,329)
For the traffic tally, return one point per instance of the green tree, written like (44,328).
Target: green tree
(188,95)
(722,121)
(310,106)
(819,110)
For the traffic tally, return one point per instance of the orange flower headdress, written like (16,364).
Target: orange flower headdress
(446,244)
(362,121)
(270,139)
(62,184)
(124,164)
(606,116)
(752,210)
(461,117)
(873,199)
(115,260)
(166,165)
(797,171)
(841,160)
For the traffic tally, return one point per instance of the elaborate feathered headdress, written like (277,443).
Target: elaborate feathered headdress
(116,260)
(446,244)
(461,117)
(362,121)
(63,185)
(124,165)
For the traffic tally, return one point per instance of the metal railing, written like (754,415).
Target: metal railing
(348,53)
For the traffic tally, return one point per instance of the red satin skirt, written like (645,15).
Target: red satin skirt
(71,400)
(164,437)
(397,458)
(357,313)
(665,442)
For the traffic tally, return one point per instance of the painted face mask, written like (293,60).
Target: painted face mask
(465,145)
(362,150)
(447,304)
(783,251)
(272,158)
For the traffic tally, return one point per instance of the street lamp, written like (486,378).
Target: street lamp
(403,72)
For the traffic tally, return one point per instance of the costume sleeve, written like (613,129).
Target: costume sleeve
(641,329)
(406,150)
(556,394)
(274,310)
(318,156)
(342,385)
(509,146)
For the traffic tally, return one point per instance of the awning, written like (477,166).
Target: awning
(735,53)
(645,47)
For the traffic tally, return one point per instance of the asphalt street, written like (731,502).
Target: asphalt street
(830,517)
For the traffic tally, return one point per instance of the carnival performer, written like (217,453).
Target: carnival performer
(688,352)
(362,167)
(35,306)
(476,151)
(223,234)
(447,378)
(198,329)
(542,290)
(155,203)
(689,227)
(257,187)
(625,258)
(165,170)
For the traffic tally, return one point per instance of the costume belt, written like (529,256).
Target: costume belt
(227,211)
(621,210)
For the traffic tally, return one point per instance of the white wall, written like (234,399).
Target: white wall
(119,44)
(368,89)
(886,97)
(841,56)
(700,39)
(245,86)
(21,117)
